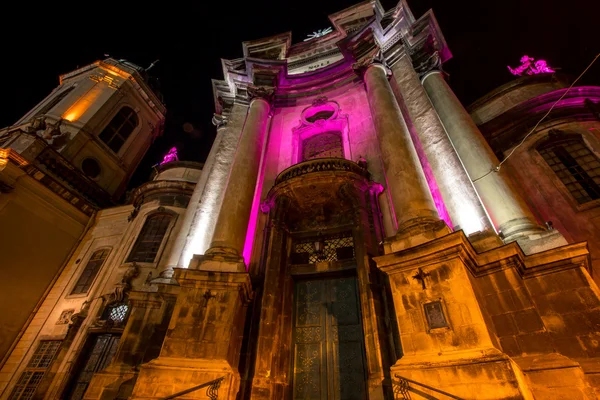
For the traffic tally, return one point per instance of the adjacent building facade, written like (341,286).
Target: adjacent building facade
(350,236)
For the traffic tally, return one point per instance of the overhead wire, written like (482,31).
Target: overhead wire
(497,167)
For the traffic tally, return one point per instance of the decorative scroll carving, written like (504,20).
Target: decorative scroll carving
(123,287)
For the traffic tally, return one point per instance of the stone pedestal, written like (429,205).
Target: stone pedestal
(411,199)
(204,337)
(141,342)
(445,340)
(494,325)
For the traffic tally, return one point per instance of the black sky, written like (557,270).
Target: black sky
(40,42)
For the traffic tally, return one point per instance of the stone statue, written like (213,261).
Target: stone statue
(530,67)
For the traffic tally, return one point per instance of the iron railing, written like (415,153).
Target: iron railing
(402,389)
(212,391)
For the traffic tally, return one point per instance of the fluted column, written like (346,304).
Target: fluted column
(406,181)
(232,224)
(507,209)
(456,189)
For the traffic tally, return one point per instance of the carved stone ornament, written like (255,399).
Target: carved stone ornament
(431,63)
(48,130)
(78,318)
(65,316)
(262,92)
(219,120)
(123,287)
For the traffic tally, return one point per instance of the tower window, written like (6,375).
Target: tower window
(90,271)
(54,101)
(119,128)
(151,237)
(323,145)
(574,164)
(33,373)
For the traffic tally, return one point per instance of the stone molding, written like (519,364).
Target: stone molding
(456,245)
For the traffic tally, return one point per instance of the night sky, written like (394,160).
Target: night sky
(189,39)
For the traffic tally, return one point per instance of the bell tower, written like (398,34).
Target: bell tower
(69,156)
(92,131)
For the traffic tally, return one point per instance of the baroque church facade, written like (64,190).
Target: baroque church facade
(348,237)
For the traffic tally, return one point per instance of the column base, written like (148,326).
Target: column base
(418,232)
(222,259)
(474,374)
(167,376)
(539,241)
(485,240)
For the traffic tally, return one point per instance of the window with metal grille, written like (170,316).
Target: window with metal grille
(151,236)
(54,101)
(116,313)
(32,375)
(327,248)
(119,128)
(323,145)
(574,164)
(90,271)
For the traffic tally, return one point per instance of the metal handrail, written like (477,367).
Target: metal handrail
(212,392)
(402,387)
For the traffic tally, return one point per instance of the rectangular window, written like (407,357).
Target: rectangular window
(150,238)
(576,166)
(32,376)
(90,271)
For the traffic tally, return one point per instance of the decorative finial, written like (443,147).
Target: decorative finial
(318,34)
(170,156)
(531,67)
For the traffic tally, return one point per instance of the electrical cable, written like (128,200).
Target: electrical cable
(497,167)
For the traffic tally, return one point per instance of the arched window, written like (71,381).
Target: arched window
(574,164)
(119,128)
(90,271)
(150,238)
(323,145)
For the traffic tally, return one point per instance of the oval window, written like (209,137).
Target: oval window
(91,168)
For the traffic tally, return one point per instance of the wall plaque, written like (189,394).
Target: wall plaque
(435,315)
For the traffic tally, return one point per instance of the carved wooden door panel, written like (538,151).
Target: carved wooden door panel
(328,341)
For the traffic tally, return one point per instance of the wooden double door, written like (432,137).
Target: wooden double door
(328,342)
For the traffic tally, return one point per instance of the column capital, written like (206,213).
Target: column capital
(427,64)
(264,93)
(361,66)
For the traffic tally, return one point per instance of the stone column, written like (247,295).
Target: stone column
(507,209)
(412,201)
(232,224)
(455,187)
(202,212)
